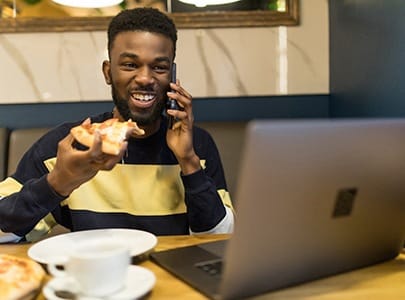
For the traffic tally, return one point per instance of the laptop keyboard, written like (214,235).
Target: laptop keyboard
(211,267)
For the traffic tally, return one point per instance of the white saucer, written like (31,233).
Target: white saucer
(138,241)
(138,283)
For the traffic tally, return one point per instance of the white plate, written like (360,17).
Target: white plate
(45,251)
(138,283)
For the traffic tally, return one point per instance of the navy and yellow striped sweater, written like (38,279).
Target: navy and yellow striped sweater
(145,192)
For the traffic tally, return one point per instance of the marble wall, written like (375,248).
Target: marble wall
(62,67)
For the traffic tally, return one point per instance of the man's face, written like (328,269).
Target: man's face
(139,74)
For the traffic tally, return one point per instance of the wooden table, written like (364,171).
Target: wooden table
(385,281)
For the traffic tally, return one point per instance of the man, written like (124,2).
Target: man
(167,181)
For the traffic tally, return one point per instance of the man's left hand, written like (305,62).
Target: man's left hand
(180,137)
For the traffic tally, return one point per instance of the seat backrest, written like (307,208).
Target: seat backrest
(19,142)
(229,138)
(3,151)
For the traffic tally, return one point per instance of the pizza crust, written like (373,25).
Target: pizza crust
(20,278)
(113,134)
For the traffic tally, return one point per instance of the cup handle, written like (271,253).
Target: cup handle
(53,267)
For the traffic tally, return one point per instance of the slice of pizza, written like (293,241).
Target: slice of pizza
(20,278)
(113,133)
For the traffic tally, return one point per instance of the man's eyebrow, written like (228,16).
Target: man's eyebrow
(128,54)
(163,59)
(135,56)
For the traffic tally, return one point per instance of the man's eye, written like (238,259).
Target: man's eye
(129,65)
(160,68)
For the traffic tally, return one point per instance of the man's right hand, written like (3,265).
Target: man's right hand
(74,167)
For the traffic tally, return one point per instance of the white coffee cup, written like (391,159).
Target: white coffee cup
(99,267)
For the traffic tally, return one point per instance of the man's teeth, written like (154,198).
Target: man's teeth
(143,97)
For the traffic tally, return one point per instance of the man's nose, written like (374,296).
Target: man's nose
(144,76)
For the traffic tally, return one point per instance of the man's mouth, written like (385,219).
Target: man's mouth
(143,100)
(143,97)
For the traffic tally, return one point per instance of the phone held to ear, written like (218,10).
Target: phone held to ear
(171,103)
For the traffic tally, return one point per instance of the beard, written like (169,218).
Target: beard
(142,119)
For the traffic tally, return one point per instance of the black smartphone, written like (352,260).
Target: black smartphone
(171,103)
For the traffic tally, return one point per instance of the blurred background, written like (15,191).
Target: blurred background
(48,8)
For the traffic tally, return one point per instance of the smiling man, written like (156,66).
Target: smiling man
(167,181)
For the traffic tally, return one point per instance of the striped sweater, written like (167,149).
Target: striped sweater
(146,191)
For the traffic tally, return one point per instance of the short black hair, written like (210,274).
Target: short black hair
(142,19)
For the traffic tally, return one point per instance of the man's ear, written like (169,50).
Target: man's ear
(107,72)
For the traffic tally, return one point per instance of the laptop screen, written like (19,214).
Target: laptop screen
(314,198)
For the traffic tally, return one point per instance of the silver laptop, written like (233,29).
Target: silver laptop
(314,198)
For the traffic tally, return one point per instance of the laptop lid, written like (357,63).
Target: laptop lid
(314,198)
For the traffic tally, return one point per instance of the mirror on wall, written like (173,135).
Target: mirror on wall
(47,16)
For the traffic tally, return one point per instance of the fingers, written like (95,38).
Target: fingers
(107,162)
(184,99)
(97,157)
(180,94)
(101,160)
(176,125)
(67,141)
(95,149)
(74,167)
(112,160)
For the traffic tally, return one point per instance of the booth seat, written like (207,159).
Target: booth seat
(19,142)
(3,151)
(229,137)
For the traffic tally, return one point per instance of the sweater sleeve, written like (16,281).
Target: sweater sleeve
(26,197)
(23,209)
(206,197)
